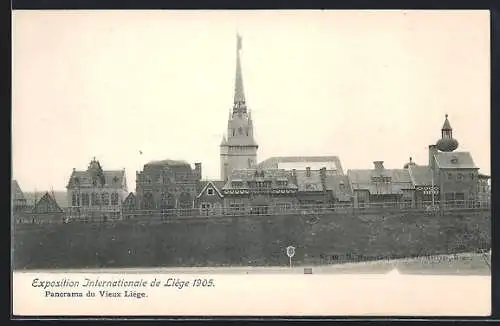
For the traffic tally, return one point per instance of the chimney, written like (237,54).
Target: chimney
(294,176)
(432,151)
(308,171)
(322,173)
(378,165)
(197,168)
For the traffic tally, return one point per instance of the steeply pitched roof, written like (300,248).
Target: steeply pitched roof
(309,183)
(362,180)
(59,196)
(214,186)
(16,191)
(340,186)
(112,179)
(454,160)
(47,204)
(421,175)
(446,124)
(130,196)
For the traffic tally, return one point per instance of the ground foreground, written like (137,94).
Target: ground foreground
(459,264)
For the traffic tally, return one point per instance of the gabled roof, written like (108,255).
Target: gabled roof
(362,180)
(214,185)
(112,179)
(421,175)
(16,191)
(309,183)
(454,160)
(47,204)
(340,186)
(130,198)
(59,196)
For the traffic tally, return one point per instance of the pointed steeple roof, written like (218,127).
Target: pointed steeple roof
(447,143)
(446,125)
(239,93)
(17,193)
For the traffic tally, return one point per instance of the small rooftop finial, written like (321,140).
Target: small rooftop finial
(446,115)
(411,160)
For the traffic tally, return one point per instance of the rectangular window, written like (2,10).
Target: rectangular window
(210,191)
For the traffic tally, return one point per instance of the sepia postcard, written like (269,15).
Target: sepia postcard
(251,163)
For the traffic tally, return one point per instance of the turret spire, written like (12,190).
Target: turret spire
(239,94)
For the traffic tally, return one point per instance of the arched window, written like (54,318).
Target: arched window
(105,198)
(149,201)
(73,200)
(114,199)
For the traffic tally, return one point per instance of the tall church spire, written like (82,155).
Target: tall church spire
(239,94)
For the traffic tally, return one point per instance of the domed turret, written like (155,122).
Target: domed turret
(447,143)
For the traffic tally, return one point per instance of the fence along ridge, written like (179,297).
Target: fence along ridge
(162,215)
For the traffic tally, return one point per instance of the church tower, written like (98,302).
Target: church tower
(238,149)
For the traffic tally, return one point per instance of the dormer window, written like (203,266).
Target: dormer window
(454,160)
(460,176)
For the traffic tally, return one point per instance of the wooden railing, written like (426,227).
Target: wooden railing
(159,215)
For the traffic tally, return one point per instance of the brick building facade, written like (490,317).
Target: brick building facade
(167,186)
(96,194)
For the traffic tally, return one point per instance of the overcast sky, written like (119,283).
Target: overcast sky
(363,85)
